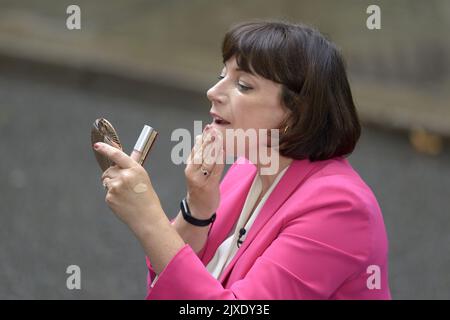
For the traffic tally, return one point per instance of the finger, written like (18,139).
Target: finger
(220,165)
(196,146)
(113,185)
(202,151)
(136,155)
(111,172)
(212,147)
(207,166)
(112,143)
(196,155)
(198,158)
(210,154)
(219,160)
(117,156)
(105,183)
(213,156)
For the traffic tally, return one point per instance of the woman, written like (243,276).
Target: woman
(312,229)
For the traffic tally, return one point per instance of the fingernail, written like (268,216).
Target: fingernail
(96,146)
(207,127)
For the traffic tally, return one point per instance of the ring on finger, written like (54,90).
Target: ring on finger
(105,186)
(204,171)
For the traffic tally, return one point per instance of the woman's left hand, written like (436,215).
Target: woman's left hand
(130,193)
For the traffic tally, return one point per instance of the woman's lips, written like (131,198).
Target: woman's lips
(218,119)
(220,122)
(218,126)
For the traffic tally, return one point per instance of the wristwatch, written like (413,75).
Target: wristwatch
(189,218)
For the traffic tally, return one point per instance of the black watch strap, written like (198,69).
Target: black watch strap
(189,218)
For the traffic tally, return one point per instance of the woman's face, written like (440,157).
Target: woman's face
(245,101)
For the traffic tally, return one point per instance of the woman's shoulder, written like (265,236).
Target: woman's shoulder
(339,208)
(337,177)
(336,191)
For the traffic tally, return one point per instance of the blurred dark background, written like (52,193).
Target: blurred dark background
(151,62)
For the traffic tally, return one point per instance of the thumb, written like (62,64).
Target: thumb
(135,155)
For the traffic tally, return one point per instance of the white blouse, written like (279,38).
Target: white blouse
(229,247)
(226,251)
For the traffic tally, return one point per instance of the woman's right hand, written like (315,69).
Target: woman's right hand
(203,194)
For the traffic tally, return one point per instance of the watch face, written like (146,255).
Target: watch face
(184,206)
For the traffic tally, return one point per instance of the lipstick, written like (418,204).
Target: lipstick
(145,142)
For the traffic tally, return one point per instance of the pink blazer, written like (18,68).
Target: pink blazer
(320,235)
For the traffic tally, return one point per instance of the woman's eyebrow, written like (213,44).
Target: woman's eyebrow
(241,70)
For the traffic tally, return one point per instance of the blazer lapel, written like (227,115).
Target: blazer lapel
(230,208)
(293,177)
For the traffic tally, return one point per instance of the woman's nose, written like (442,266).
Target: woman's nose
(214,94)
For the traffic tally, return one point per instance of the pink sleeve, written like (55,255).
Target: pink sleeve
(151,272)
(323,243)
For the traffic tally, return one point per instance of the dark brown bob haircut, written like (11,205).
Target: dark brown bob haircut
(323,122)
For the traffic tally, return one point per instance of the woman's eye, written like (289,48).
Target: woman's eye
(240,86)
(243,87)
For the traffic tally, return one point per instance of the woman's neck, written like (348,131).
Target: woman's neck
(268,179)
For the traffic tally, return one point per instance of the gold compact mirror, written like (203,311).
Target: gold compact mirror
(103,131)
